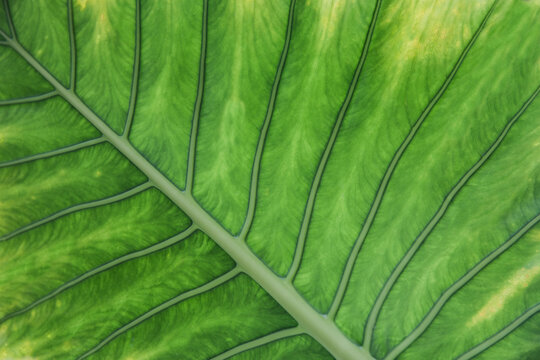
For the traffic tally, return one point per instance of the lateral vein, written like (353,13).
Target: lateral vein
(136,72)
(275,336)
(122,259)
(340,293)
(29,99)
(10,20)
(501,334)
(79,207)
(52,153)
(167,304)
(454,288)
(299,251)
(266,125)
(198,103)
(72,47)
(315,324)
(437,217)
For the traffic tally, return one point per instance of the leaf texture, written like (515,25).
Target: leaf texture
(292,179)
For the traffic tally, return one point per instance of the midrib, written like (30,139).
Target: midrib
(313,323)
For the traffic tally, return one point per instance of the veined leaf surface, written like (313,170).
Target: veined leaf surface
(304,179)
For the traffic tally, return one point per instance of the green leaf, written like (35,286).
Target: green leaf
(305,179)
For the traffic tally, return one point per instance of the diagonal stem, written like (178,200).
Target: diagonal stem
(313,323)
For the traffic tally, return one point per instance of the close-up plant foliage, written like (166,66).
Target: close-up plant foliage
(270,179)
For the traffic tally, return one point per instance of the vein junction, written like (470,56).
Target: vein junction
(310,321)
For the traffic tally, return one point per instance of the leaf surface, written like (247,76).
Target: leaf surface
(269,179)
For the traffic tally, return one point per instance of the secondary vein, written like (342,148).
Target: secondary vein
(501,334)
(437,217)
(52,153)
(10,20)
(454,288)
(275,336)
(299,251)
(72,48)
(122,259)
(136,71)
(316,325)
(266,125)
(198,103)
(167,304)
(79,207)
(340,293)
(29,99)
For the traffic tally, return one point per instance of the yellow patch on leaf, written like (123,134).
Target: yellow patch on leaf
(520,280)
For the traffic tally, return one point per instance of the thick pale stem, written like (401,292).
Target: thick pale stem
(313,323)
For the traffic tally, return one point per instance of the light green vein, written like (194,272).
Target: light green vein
(167,304)
(501,334)
(299,251)
(278,335)
(70,210)
(136,71)
(340,293)
(72,48)
(198,103)
(52,153)
(264,130)
(29,99)
(448,293)
(10,20)
(314,324)
(136,254)
(435,220)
